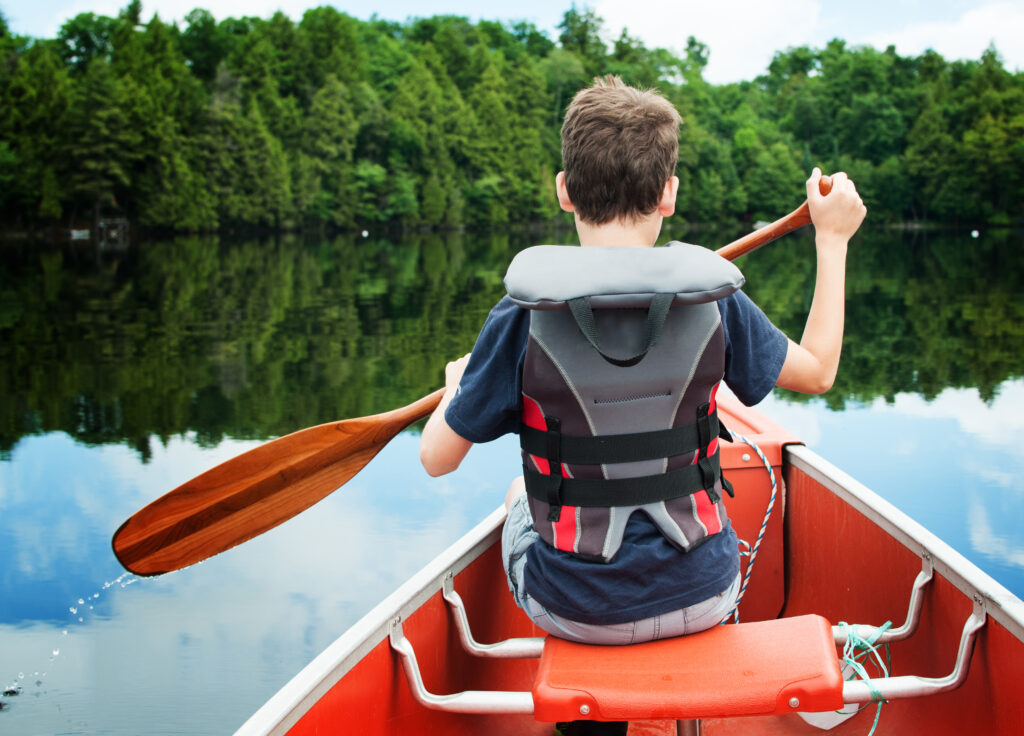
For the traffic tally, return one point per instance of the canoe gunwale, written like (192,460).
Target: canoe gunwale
(289,704)
(998,602)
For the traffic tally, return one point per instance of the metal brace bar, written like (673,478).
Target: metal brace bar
(841,633)
(911,686)
(517,648)
(855,691)
(468,701)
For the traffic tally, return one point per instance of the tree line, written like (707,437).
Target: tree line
(335,122)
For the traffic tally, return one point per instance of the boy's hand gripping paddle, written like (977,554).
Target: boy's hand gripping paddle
(254,492)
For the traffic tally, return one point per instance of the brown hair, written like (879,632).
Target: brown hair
(619,147)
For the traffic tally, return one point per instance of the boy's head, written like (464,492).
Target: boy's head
(619,147)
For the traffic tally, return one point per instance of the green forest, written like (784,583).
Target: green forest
(332,122)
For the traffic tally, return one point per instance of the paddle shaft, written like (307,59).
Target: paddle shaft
(793,221)
(254,492)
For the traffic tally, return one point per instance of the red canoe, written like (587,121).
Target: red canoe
(832,551)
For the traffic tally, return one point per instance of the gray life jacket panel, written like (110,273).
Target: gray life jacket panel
(625,353)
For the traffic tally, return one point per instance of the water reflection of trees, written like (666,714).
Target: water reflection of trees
(256,339)
(925,311)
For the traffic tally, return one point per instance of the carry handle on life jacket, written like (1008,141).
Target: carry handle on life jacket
(657,313)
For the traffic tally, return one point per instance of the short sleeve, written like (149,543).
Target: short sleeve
(755,349)
(487,403)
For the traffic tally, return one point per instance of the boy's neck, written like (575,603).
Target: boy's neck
(620,233)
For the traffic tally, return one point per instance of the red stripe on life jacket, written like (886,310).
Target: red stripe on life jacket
(565,529)
(534,417)
(713,445)
(707,512)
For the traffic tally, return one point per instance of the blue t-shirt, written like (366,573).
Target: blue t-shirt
(648,576)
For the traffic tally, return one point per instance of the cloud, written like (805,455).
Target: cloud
(169,466)
(46,23)
(802,419)
(987,541)
(742,35)
(999,423)
(965,37)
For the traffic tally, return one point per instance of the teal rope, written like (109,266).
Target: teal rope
(857,651)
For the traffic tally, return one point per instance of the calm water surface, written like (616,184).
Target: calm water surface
(125,373)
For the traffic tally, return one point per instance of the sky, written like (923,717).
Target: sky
(742,35)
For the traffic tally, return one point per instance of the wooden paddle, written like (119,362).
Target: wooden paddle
(762,236)
(254,492)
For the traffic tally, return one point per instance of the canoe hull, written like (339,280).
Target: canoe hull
(841,552)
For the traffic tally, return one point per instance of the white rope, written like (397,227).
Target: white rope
(752,551)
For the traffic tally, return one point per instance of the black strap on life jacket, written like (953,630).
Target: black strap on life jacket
(557,490)
(552,483)
(606,492)
(623,448)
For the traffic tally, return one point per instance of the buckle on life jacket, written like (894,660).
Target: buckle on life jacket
(725,434)
(553,484)
(710,472)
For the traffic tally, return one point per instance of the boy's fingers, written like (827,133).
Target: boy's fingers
(840,180)
(812,183)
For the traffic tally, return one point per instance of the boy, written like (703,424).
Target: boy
(604,573)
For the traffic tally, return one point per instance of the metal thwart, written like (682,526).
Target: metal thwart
(854,691)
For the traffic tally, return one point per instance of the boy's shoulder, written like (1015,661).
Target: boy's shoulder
(755,348)
(506,318)
(505,331)
(737,308)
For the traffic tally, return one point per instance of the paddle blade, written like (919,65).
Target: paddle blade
(254,492)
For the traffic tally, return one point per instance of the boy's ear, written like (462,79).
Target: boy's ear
(563,194)
(667,205)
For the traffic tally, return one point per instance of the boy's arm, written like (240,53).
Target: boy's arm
(441,449)
(810,366)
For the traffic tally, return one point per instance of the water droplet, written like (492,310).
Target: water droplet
(81,601)
(73,609)
(97,595)
(81,619)
(64,632)
(21,675)
(56,652)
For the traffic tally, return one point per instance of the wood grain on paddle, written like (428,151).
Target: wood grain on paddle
(254,492)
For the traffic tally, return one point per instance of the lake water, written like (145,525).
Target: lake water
(126,372)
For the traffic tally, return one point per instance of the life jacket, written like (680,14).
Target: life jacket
(626,350)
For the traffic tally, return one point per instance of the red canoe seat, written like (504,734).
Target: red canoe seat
(758,668)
